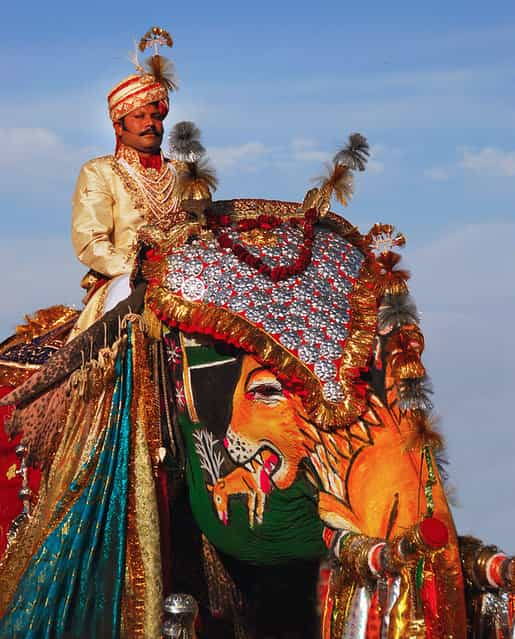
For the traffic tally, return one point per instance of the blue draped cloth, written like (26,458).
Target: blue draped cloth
(72,587)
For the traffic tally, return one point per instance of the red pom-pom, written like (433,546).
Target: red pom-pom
(434,532)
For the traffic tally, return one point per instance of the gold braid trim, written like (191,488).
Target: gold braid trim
(133,600)
(363,306)
(131,186)
(221,323)
(148,398)
(143,576)
(244,208)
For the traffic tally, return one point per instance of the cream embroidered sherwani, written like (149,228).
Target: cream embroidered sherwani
(105,218)
(114,197)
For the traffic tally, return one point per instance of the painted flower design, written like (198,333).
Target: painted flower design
(180,396)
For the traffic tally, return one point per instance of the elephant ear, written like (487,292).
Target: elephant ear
(297,292)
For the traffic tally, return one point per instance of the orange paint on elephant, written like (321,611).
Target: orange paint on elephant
(266,416)
(367,480)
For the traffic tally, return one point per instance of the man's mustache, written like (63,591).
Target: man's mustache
(151,130)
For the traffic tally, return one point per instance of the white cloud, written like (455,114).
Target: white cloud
(252,155)
(28,142)
(438,173)
(489,160)
(287,158)
(423,98)
(311,156)
(243,156)
(38,154)
(305,150)
(375,166)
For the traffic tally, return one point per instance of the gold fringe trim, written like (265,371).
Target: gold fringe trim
(139,597)
(148,396)
(405,348)
(146,427)
(407,365)
(396,287)
(153,324)
(133,601)
(363,325)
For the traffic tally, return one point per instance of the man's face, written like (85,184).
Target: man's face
(142,129)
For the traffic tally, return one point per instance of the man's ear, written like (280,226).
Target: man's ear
(118,128)
(209,487)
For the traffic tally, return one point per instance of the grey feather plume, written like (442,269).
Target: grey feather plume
(414,394)
(442,463)
(355,154)
(184,142)
(396,310)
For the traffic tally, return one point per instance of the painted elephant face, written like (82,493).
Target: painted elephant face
(268,426)
(245,456)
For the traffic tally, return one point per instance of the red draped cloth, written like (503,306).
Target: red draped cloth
(10,482)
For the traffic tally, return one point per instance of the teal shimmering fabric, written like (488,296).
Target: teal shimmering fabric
(72,587)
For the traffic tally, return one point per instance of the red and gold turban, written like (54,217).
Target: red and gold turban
(134,92)
(155,79)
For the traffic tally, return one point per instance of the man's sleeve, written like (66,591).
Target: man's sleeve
(92,224)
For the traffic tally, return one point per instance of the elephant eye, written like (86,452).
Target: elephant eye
(266,391)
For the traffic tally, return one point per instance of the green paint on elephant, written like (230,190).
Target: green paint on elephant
(291,527)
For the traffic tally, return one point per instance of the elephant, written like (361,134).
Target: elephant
(257,409)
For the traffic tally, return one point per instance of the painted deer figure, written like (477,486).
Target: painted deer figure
(240,482)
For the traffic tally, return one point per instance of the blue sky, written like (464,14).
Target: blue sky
(276,87)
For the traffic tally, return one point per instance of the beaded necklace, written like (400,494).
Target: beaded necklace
(158,187)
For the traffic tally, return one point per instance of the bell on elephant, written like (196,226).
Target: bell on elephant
(180,613)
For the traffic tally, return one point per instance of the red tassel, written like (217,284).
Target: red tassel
(374,619)
(429,596)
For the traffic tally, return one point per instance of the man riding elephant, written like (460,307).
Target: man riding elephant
(117,194)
